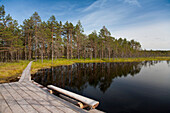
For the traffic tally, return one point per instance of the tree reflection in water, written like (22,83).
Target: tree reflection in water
(78,76)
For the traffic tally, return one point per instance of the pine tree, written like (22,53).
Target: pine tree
(71,28)
(67,32)
(52,22)
(36,21)
(78,32)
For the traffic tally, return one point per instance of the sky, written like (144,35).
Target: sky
(146,21)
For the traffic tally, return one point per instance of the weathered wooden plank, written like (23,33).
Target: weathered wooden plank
(44,94)
(36,105)
(58,102)
(11,101)
(26,75)
(27,107)
(47,96)
(4,108)
(45,102)
(95,111)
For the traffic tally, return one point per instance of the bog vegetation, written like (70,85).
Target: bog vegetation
(52,39)
(55,43)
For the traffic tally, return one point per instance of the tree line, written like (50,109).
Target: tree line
(52,39)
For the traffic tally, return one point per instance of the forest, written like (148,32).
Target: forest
(52,39)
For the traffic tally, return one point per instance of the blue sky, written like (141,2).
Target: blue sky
(147,21)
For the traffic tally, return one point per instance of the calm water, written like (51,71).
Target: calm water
(138,87)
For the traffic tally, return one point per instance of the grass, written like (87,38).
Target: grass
(137,59)
(47,63)
(9,71)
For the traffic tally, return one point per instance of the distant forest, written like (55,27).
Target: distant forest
(52,39)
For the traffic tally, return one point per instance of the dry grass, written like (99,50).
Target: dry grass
(11,70)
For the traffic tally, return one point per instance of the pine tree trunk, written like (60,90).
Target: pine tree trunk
(91,52)
(42,54)
(11,53)
(84,53)
(67,46)
(18,55)
(52,46)
(29,46)
(102,50)
(6,56)
(25,49)
(36,43)
(95,50)
(43,49)
(109,53)
(78,53)
(36,48)
(48,50)
(71,51)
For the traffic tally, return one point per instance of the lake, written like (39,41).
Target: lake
(131,87)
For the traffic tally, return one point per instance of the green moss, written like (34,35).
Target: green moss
(12,70)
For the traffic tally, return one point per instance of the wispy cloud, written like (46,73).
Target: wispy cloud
(146,24)
(96,4)
(97,19)
(138,19)
(133,2)
(104,12)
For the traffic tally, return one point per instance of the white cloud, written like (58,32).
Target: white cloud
(152,36)
(151,29)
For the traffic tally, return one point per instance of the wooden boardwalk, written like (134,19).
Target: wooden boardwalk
(26,97)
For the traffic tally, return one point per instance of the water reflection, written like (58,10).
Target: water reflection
(78,76)
(138,87)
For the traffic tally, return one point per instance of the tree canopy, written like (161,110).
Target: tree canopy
(52,39)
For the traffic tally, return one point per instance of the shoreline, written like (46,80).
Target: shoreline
(12,70)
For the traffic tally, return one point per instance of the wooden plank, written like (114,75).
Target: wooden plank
(29,99)
(11,101)
(26,75)
(4,108)
(27,107)
(58,102)
(49,98)
(95,111)
(43,102)
(43,97)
